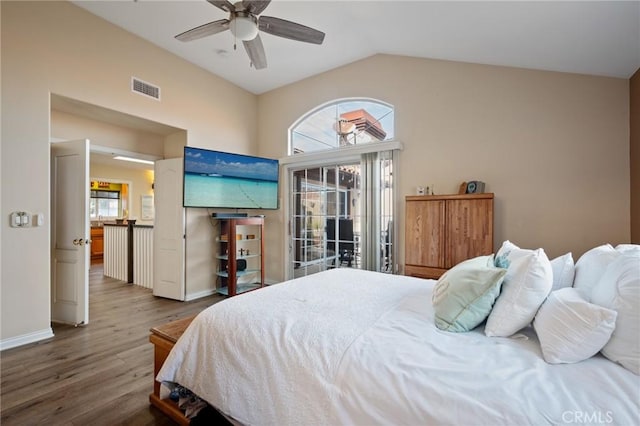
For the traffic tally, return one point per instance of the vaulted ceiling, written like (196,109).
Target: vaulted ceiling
(586,37)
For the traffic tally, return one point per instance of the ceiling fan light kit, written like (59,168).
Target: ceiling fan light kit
(245,25)
(244,28)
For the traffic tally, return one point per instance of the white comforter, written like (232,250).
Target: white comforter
(354,347)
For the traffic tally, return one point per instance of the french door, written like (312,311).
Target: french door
(341,215)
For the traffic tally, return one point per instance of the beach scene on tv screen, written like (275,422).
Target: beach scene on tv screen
(218,179)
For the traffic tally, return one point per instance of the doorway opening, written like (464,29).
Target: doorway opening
(111,132)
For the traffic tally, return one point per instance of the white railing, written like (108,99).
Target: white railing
(117,252)
(143,256)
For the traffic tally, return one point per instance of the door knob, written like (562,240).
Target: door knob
(76,242)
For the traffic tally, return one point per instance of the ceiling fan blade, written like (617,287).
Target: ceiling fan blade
(255,50)
(255,6)
(225,5)
(287,29)
(204,30)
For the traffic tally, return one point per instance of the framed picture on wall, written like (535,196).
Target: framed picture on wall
(147,207)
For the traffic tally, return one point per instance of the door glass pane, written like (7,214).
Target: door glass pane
(387,261)
(307,217)
(343,216)
(325,225)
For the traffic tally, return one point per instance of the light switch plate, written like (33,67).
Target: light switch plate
(20,219)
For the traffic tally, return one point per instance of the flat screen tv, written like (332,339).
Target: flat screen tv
(218,179)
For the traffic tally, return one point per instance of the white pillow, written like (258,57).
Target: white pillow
(563,271)
(591,266)
(619,289)
(570,329)
(526,285)
(622,248)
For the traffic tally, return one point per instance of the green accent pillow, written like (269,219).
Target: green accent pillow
(463,297)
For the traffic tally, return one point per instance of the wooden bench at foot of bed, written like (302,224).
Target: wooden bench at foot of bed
(163,338)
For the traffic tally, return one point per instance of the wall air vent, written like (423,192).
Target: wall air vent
(145,88)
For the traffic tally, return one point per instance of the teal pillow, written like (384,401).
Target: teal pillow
(463,297)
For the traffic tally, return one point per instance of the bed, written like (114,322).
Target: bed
(348,346)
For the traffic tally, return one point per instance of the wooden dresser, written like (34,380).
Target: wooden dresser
(163,338)
(443,230)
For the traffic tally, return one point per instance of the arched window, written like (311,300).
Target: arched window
(340,199)
(341,123)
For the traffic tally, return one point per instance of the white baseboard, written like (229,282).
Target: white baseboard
(198,295)
(36,336)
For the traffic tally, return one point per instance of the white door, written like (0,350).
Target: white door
(70,232)
(168,230)
(341,215)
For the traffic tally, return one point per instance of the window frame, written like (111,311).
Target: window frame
(128,199)
(335,102)
(340,154)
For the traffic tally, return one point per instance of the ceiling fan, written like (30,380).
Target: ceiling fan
(245,25)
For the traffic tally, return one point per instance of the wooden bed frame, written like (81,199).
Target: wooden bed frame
(163,338)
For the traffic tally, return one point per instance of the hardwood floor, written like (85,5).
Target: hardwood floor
(99,374)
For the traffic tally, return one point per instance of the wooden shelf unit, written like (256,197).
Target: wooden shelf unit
(443,230)
(240,239)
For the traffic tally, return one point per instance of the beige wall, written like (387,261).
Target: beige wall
(553,147)
(634,124)
(58,48)
(66,126)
